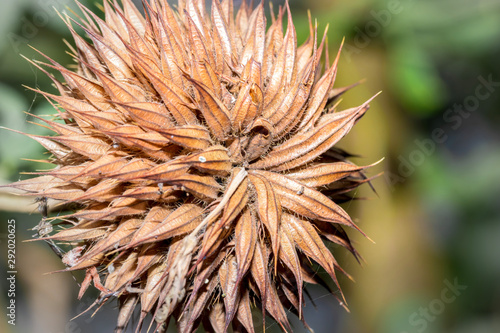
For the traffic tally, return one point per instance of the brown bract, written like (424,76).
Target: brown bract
(198,150)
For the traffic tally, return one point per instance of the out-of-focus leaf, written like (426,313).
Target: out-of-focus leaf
(415,81)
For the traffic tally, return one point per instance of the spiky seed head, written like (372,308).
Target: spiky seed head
(198,148)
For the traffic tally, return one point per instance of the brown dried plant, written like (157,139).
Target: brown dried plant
(198,151)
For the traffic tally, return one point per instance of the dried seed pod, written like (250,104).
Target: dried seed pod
(201,160)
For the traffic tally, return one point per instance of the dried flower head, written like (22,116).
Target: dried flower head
(198,151)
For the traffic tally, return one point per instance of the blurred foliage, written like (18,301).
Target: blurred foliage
(441,222)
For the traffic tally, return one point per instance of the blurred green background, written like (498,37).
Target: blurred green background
(435,266)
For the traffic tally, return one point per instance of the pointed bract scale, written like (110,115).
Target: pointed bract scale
(269,209)
(200,304)
(244,313)
(237,202)
(61,129)
(217,318)
(166,172)
(297,98)
(88,87)
(99,120)
(135,137)
(204,73)
(242,19)
(83,114)
(324,174)
(181,221)
(151,192)
(275,308)
(148,257)
(245,240)
(85,145)
(103,166)
(107,213)
(119,67)
(215,113)
(204,271)
(133,15)
(258,270)
(305,201)
(214,160)
(255,37)
(88,231)
(155,216)
(66,193)
(133,170)
(247,107)
(127,307)
(38,184)
(289,257)
(199,46)
(193,137)
(224,38)
(58,150)
(274,40)
(172,50)
(252,73)
(195,13)
(336,234)
(228,13)
(203,187)
(149,115)
(107,34)
(66,173)
(117,238)
(146,51)
(154,283)
(319,93)
(104,191)
(174,98)
(284,68)
(288,111)
(228,274)
(85,50)
(114,20)
(119,91)
(308,241)
(308,47)
(122,273)
(213,239)
(305,147)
